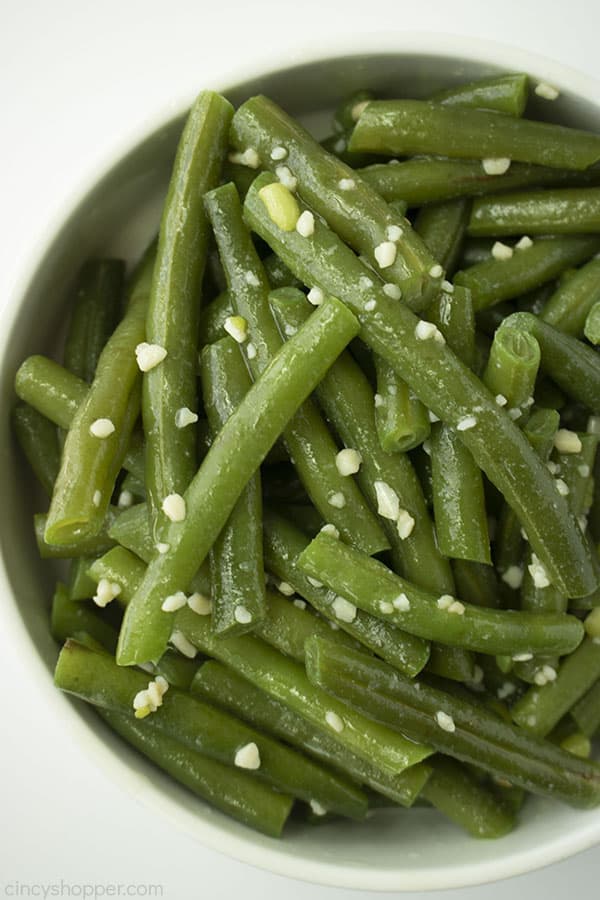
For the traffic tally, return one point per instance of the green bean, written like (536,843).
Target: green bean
(348,402)
(287,627)
(135,486)
(57,394)
(93,545)
(225,688)
(236,793)
(542,707)
(445,386)
(173,310)
(452,663)
(434,179)
(354,210)
(456,793)
(552,211)
(512,367)
(236,557)
(540,430)
(283,545)
(371,586)
(212,317)
(337,145)
(573,365)
(96,678)
(591,329)
(285,680)
(238,449)
(477,583)
(443,227)
(38,440)
(495,280)
(586,712)
(95,314)
(453,313)
(92,457)
(70,619)
(81,586)
(458,498)
(401,419)
(534,301)
(407,127)
(504,93)
(463,730)
(307,439)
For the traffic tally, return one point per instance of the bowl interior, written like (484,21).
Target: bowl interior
(396,849)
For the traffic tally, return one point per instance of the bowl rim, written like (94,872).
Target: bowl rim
(274,857)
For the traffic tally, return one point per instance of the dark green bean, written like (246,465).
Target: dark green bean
(444,385)
(466,731)
(81,586)
(236,557)
(38,439)
(371,586)
(236,793)
(495,280)
(552,211)
(407,127)
(96,678)
(238,449)
(283,545)
(586,712)
(70,619)
(443,227)
(307,439)
(224,687)
(350,206)
(96,309)
(434,179)
(401,419)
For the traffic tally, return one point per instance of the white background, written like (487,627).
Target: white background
(76,78)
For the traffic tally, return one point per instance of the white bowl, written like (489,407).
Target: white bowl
(397,849)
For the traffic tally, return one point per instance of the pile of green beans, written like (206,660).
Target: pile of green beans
(325,464)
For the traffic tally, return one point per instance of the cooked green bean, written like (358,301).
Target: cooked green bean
(434,179)
(446,387)
(95,677)
(369,585)
(401,419)
(90,546)
(38,440)
(236,557)
(586,712)
(495,280)
(553,211)
(101,428)
(307,439)
(456,480)
(456,793)
(477,583)
(542,707)
(70,619)
(224,687)
(443,227)
(95,314)
(573,365)
(454,726)
(407,127)
(452,663)
(236,793)
(350,206)
(512,368)
(504,93)
(57,394)
(285,680)
(238,449)
(591,329)
(348,401)
(174,304)
(283,545)
(81,586)
(458,498)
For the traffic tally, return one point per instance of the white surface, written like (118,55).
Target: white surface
(75,80)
